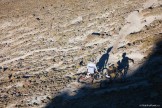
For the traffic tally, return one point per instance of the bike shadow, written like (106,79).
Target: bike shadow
(123,65)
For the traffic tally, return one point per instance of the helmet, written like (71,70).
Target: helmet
(91,60)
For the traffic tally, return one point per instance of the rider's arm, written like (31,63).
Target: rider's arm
(87,67)
(96,69)
(131,60)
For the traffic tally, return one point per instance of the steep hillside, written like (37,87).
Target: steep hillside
(43,41)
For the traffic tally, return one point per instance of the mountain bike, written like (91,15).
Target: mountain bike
(114,75)
(105,77)
(96,77)
(86,78)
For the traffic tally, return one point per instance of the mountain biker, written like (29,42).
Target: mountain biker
(91,68)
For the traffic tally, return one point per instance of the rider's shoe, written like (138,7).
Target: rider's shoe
(107,76)
(88,76)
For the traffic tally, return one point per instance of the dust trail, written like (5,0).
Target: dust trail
(134,23)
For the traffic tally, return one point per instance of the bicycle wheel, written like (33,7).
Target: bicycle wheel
(97,76)
(105,72)
(80,78)
(83,79)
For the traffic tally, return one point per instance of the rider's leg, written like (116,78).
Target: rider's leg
(92,76)
(88,75)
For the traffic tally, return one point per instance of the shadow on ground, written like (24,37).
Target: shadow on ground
(142,89)
(103,60)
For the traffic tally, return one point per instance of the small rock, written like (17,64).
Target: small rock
(94,33)
(150,8)
(5,68)
(48,98)
(35,103)
(10,76)
(38,19)
(129,44)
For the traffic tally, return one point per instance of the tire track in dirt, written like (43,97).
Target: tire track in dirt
(36,51)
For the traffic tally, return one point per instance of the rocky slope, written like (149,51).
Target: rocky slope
(44,41)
